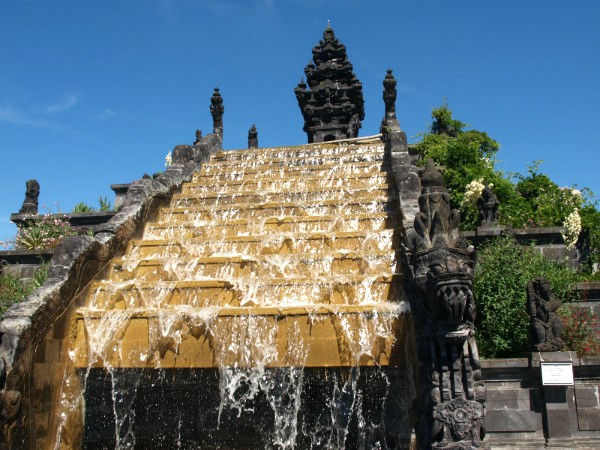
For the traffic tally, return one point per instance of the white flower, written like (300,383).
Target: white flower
(571,229)
(473,192)
(168,160)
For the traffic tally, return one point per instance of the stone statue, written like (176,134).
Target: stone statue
(217,109)
(546,326)
(253,137)
(198,137)
(488,207)
(450,408)
(30,204)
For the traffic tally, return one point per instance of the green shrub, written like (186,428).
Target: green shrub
(43,232)
(14,289)
(503,270)
(104,204)
(82,208)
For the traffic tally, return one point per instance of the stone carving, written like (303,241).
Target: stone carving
(389,95)
(332,103)
(488,207)
(253,137)
(217,109)
(198,137)
(10,405)
(450,407)
(546,326)
(32,193)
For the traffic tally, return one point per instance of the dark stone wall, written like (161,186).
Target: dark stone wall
(522,413)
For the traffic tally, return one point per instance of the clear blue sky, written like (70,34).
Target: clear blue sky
(97,92)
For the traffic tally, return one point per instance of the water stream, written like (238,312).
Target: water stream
(262,309)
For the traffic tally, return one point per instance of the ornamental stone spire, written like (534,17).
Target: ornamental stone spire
(217,109)
(332,102)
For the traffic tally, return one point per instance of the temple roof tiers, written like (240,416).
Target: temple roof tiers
(331,99)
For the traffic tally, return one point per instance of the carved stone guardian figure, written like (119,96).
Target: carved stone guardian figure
(450,406)
(546,326)
(253,137)
(217,109)
(487,203)
(32,193)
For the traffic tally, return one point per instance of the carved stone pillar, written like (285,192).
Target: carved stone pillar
(450,406)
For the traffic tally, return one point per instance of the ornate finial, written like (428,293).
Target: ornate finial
(432,176)
(217,109)
(328,24)
(253,137)
(32,193)
(389,95)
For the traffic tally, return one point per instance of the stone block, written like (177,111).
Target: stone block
(588,419)
(502,399)
(512,420)
(587,397)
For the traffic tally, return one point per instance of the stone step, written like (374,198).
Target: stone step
(310,160)
(216,229)
(308,195)
(262,266)
(293,183)
(209,172)
(185,337)
(302,151)
(245,291)
(338,207)
(281,243)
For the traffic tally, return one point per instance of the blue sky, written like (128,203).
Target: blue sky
(98,92)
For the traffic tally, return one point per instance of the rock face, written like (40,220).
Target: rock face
(451,404)
(332,103)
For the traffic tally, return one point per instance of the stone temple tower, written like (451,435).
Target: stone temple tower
(332,102)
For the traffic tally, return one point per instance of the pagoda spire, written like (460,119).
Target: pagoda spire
(331,100)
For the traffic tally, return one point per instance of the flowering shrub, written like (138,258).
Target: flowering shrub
(581,330)
(168,160)
(571,229)
(44,232)
(472,192)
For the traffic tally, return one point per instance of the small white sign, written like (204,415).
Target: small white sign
(557,374)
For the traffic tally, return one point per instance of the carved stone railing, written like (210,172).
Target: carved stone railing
(76,261)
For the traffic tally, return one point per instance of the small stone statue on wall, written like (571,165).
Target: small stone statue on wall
(253,137)
(488,207)
(546,326)
(198,137)
(30,204)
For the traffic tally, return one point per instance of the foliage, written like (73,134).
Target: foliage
(526,201)
(43,232)
(82,208)
(503,270)
(104,204)
(581,332)
(13,289)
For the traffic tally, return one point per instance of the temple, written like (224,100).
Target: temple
(332,103)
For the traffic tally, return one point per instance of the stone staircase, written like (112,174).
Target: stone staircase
(296,242)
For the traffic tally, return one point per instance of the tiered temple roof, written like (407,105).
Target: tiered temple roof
(332,102)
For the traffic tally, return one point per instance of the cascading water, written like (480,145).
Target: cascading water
(261,310)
